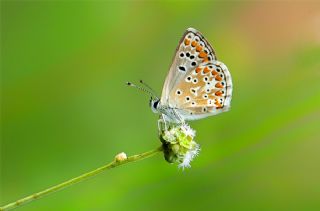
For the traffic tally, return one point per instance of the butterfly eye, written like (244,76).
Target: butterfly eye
(155,104)
(193,64)
(181,55)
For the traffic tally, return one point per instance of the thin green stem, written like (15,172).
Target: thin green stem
(80,178)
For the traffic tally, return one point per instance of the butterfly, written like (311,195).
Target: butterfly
(197,85)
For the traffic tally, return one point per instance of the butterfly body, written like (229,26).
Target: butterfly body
(197,85)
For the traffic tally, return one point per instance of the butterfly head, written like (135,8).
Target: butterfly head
(154,104)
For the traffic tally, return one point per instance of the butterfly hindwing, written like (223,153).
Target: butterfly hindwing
(203,92)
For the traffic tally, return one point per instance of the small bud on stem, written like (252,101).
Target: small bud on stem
(120,157)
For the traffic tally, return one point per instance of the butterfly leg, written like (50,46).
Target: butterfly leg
(163,122)
(179,118)
(162,125)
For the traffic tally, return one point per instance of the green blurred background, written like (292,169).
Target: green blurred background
(66,109)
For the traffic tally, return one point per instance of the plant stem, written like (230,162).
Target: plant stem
(80,178)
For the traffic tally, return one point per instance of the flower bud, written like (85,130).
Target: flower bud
(120,157)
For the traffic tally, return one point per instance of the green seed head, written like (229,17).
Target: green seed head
(179,145)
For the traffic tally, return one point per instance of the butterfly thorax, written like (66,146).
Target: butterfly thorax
(169,114)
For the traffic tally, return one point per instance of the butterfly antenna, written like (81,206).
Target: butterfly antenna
(149,87)
(142,89)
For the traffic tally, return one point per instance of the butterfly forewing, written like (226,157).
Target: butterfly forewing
(197,84)
(192,50)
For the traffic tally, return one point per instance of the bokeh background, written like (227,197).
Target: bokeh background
(66,109)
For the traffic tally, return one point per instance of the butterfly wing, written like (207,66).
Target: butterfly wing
(197,84)
(181,63)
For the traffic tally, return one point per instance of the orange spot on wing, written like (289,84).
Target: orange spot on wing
(202,54)
(219,85)
(194,43)
(206,70)
(198,48)
(214,72)
(186,41)
(205,59)
(198,69)
(218,78)
(217,104)
(218,93)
